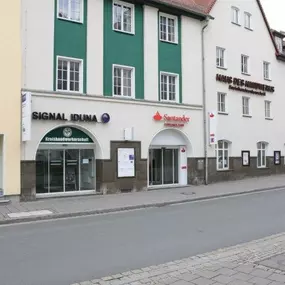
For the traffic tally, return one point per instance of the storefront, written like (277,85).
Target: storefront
(65,162)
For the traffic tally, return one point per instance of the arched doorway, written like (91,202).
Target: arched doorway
(168,158)
(65,162)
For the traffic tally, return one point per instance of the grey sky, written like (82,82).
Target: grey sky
(274,10)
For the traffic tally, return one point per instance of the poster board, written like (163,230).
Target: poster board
(26,116)
(277,157)
(126,162)
(245,154)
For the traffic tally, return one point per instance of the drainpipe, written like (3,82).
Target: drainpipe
(205,117)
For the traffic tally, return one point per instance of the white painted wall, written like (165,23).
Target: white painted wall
(37,44)
(123,114)
(244,133)
(95,42)
(191,61)
(150,53)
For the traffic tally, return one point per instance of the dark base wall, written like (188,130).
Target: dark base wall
(28,180)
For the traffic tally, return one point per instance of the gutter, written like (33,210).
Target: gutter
(204,105)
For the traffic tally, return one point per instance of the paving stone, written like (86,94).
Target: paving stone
(188,276)
(181,282)
(245,268)
(276,283)
(277,277)
(207,273)
(259,281)
(260,273)
(86,283)
(241,276)
(202,281)
(226,271)
(239,282)
(224,279)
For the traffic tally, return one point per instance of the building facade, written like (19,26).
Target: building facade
(244,83)
(10,112)
(116,101)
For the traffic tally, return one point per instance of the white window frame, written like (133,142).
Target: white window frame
(245,64)
(221,95)
(237,20)
(172,17)
(248,16)
(267,109)
(246,99)
(69,59)
(262,148)
(177,94)
(220,51)
(279,44)
(266,74)
(132,81)
(129,5)
(69,13)
(223,149)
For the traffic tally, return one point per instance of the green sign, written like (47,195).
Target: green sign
(66,135)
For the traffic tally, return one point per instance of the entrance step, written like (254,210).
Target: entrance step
(3,201)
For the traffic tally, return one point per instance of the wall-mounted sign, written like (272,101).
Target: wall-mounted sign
(46,116)
(172,121)
(245,85)
(126,162)
(66,135)
(277,157)
(212,128)
(245,155)
(26,116)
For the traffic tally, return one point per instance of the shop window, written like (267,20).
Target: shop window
(123,17)
(261,154)
(71,10)
(222,155)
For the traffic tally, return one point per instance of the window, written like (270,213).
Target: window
(244,64)
(261,154)
(279,43)
(266,70)
(168,29)
(245,106)
(247,20)
(123,17)
(69,74)
(235,15)
(222,155)
(220,57)
(267,109)
(221,102)
(70,10)
(123,81)
(169,87)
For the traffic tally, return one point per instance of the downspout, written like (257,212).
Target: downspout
(204,106)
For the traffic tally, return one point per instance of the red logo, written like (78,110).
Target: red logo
(183,150)
(157,117)
(212,115)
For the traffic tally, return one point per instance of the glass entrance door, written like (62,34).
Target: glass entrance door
(66,170)
(163,166)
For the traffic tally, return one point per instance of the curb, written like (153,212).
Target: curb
(135,207)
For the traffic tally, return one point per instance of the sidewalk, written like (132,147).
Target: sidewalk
(97,204)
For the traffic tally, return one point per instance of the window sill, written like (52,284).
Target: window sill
(247,116)
(123,96)
(267,79)
(268,118)
(69,91)
(168,42)
(245,73)
(69,20)
(249,29)
(224,170)
(222,67)
(168,101)
(124,32)
(223,113)
(237,24)
(262,167)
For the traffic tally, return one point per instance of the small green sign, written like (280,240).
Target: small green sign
(66,135)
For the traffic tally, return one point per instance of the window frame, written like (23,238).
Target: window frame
(243,64)
(69,19)
(133,74)
(218,53)
(267,111)
(248,106)
(130,5)
(233,8)
(219,102)
(177,82)
(172,17)
(223,149)
(266,63)
(263,156)
(249,15)
(81,75)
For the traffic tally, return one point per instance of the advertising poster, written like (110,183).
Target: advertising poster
(126,162)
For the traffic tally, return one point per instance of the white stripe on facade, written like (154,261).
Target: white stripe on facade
(150,53)
(95,42)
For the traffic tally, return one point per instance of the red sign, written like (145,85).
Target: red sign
(172,121)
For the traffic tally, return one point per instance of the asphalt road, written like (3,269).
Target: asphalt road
(63,252)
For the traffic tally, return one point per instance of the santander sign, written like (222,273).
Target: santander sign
(171,121)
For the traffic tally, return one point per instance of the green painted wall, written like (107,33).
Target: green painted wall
(169,58)
(70,40)
(123,49)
